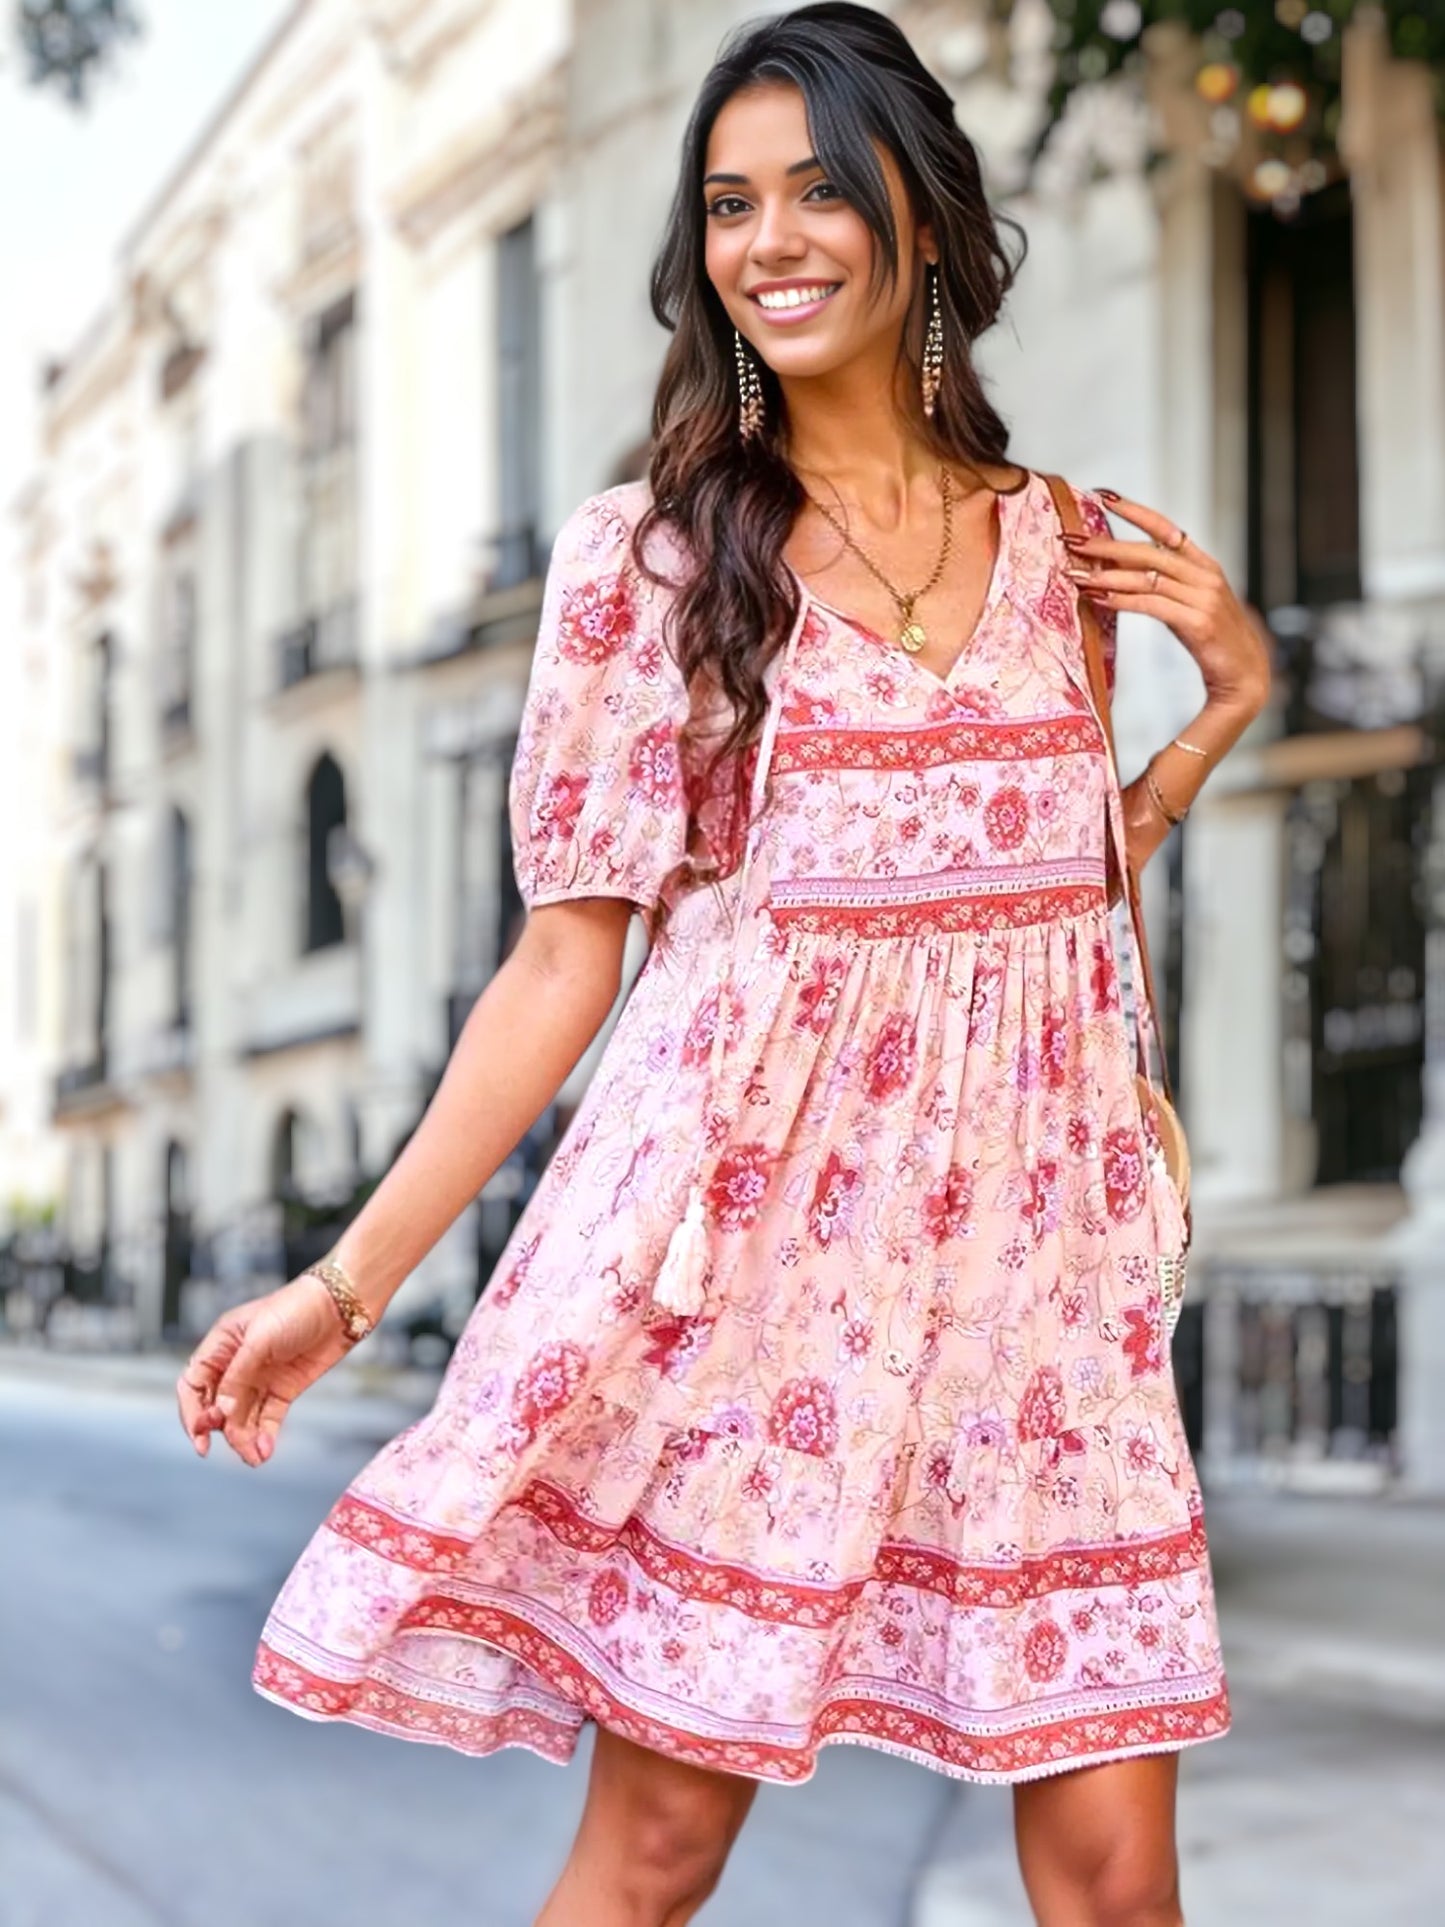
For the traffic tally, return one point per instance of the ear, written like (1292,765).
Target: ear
(926,244)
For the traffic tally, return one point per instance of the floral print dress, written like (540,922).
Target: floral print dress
(914,1474)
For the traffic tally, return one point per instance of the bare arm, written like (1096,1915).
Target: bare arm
(527,1030)
(525,1033)
(1173,578)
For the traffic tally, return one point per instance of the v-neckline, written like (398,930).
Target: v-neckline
(997,582)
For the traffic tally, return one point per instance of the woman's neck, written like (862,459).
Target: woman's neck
(847,433)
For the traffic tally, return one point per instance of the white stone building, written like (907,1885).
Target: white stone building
(389,323)
(281,557)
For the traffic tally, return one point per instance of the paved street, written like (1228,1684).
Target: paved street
(143,1783)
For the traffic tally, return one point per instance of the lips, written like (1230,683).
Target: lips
(792,300)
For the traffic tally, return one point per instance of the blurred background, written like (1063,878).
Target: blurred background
(318,320)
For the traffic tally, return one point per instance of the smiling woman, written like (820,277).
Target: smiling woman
(823,1393)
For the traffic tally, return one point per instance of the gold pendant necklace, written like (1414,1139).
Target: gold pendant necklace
(912,636)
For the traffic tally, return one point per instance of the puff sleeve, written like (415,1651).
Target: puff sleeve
(596,800)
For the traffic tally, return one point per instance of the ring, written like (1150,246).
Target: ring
(1153,580)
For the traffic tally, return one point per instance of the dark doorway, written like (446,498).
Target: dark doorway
(1304,512)
(1367,1015)
(325,812)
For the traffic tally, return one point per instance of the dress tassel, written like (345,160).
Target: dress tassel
(679,1283)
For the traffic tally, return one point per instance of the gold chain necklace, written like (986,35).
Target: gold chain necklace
(912,635)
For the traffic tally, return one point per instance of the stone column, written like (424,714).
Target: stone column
(1390,140)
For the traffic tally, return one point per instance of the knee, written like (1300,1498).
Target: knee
(678,1838)
(1135,1890)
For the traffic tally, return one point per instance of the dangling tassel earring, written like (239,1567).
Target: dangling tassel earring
(932,346)
(750,392)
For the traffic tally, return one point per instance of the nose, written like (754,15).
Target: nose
(776,237)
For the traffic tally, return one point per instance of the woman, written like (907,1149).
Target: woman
(822,1392)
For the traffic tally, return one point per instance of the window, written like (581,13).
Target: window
(286,1155)
(87,973)
(1304,515)
(177,1254)
(177,646)
(518,407)
(490,911)
(94,748)
(325,923)
(181,877)
(327,548)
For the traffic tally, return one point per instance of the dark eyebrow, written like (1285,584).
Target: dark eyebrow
(741,180)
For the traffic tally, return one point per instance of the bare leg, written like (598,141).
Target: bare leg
(1096,1846)
(652,1843)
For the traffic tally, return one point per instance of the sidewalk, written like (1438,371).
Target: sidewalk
(1324,1803)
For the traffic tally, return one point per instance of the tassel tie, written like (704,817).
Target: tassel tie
(680,1282)
(680,1286)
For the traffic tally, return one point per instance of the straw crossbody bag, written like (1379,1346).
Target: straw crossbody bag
(1156,1100)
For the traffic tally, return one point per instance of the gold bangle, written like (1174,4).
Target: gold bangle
(1193,749)
(356,1321)
(1156,797)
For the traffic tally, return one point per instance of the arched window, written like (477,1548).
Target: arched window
(325,812)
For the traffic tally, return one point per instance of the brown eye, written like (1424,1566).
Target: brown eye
(726,204)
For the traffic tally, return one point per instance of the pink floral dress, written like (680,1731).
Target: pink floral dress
(913,1475)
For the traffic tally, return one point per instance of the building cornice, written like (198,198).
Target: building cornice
(417,33)
(524,130)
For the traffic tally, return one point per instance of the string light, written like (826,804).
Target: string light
(1216,81)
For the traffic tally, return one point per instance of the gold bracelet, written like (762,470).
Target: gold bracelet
(356,1321)
(1192,748)
(1156,797)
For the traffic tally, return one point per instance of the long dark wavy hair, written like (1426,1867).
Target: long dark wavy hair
(733,503)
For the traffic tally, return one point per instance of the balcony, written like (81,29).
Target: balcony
(165,1052)
(314,1000)
(85,1087)
(319,645)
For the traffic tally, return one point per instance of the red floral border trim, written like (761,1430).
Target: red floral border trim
(817,1605)
(1074,1740)
(928,744)
(945,915)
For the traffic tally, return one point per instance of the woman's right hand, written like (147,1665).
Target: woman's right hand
(254,1361)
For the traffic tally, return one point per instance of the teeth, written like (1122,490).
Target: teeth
(793,297)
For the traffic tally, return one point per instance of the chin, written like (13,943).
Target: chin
(803,360)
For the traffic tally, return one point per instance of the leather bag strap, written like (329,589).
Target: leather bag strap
(1092,636)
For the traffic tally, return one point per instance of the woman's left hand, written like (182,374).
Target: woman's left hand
(1171,577)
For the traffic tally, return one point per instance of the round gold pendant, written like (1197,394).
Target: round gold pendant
(912,637)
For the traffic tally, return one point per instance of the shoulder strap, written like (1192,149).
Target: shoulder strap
(1066,502)
(1091,635)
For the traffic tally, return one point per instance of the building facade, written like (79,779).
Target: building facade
(389,323)
(281,556)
